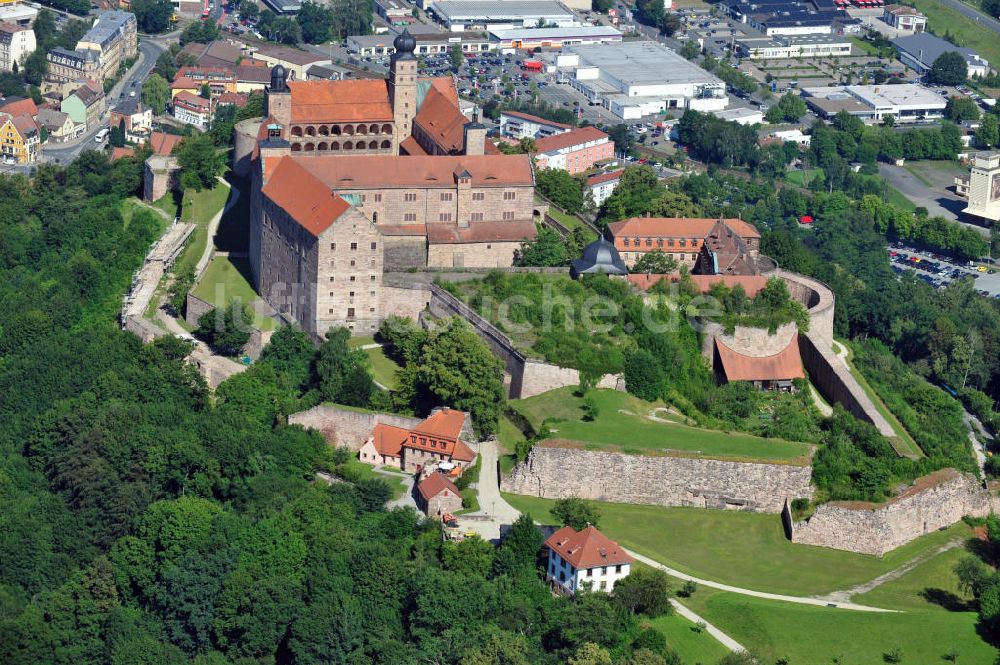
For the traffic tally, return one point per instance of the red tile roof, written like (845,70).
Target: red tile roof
(354,100)
(410,146)
(298,192)
(389,440)
(782,366)
(184,83)
(536,119)
(569,139)
(445,423)
(122,152)
(752,284)
(451,234)
(588,548)
(442,121)
(235,98)
(20,107)
(676,227)
(604,177)
(387,171)
(192,101)
(163,144)
(462,452)
(434,484)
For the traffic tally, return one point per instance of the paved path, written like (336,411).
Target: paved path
(493,511)
(823,407)
(801,600)
(724,639)
(939,203)
(213,226)
(845,595)
(407,500)
(978,448)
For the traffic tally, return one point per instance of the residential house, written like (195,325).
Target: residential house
(575,151)
(85,105)
(191,79)
(236,99)
(602,185)
(16,106)
(251,78)
(192,109)
(214,54)
(137,119)
(685,238)
(59,126)
(16,43)
(517,125)
(164,144)
(19,139)
(436,442)
(587,560)
(438,495)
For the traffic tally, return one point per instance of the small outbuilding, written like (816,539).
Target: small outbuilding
(599,256)
(438,495)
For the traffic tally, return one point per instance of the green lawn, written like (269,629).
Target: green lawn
(865,47)
(355,342)
(932,585)
(233,234)
(366,472)
(199,208)
(693,646)
(743,549)
(803,178)
(169,204)
(227,279)
(898,199)
(810,635)
(621,423)
(571,222)
(966,31)
(383,368)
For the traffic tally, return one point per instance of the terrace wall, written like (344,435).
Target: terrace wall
(933,502)
(350,429)
(555,472)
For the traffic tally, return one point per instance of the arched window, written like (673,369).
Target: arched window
(360,145)
(349,130)
(309,147)
(373,129)
(324,130)
(336,130)
(373,145)
(387,129)
(386,145)
(310,130)
(323,146)
(334,145)
(348,145)
(296,147)
(361,129)
(296,130)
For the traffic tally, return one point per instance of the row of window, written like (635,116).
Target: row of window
(670,242)
(350,294)
(411,197)
(371,278)
(350,312)
(354,247)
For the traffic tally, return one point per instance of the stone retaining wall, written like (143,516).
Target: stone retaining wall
(343,427)
(934,502)
(555,472)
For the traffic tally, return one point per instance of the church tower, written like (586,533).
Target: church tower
(403,86)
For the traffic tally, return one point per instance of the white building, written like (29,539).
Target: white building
(793,136)
(585,561)
(192,109)
(463,15)
(907,102)
(529,38)
(920,50)
(16,43)
(905,18)
(517,125)
(741,116)
(793,46)
(602,185)
(984,186)
(636,79)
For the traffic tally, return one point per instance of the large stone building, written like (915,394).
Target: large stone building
(982,186)
(356,177)
(707,246)
(100,54)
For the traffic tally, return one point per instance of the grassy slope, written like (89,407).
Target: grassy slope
(692,645)
(366,472)
(227,279)
(199,207)
(743,549)
(932,585)
(966,31)
(634,433)
(813,635)
(383,368)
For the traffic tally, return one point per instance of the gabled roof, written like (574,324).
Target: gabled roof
(386,171)
(434,484)
(253,74)
(569,139)
(353,100)
(192,101)
(445,423)
(122,152)
(535,119)
(442,121)
(782,366)
(602,178)
(588,548)
(164,144)
(306,199)
(389,440)
(449,233)
(677,227)
(19,106)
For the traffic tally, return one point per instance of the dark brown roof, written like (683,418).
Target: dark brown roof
(536,119)
(588,548)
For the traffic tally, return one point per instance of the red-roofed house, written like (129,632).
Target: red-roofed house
(723,242)
(163,144)
(438,495)
(192,109)
(574,151)
(602,185)
(19,139)
(585,560)
(433,441)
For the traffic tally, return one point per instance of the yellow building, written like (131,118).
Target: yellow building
(19,139)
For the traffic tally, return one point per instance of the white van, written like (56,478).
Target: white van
(101,135)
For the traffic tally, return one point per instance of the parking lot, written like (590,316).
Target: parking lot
(939,271)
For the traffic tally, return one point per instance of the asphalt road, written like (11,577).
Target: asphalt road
(149,52)
(938,202)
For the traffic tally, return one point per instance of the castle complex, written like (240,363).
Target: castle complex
(350,178)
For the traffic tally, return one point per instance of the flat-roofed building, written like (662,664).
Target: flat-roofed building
(529,38)
(905,102)
(517,125)
(635,79)
(427,43)
(793,46)
(462,15)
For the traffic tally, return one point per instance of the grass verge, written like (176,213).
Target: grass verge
(227,279)
(692,644)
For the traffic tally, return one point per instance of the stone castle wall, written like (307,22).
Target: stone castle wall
(754,342)
(244,141)
(341,427)
(555,472)
(403,252)
(933,502)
